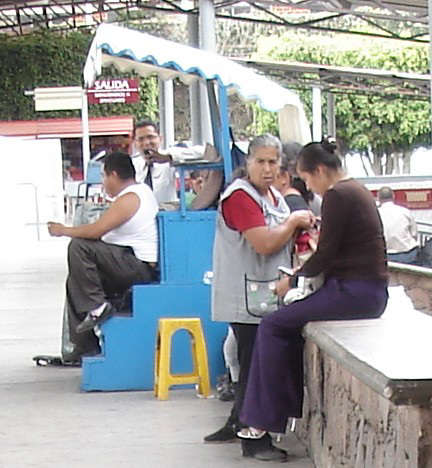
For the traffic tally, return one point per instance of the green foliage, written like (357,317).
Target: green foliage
(167,26)
(365,123)
(47,59)
(262,121)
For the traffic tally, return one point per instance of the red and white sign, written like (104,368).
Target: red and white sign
(413,199)
(114,90)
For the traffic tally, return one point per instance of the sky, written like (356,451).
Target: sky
(421,164)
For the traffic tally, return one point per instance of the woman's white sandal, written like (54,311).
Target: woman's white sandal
(251,433)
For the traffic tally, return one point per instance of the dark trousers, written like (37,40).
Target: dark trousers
(403,257)
(245,337)
(98,270)
(275,387)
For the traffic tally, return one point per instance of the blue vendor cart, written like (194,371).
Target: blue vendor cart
(186,237)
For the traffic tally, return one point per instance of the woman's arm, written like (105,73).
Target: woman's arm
(265,240)
(333,228)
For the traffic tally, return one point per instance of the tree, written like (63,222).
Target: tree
(381,128)
(54,59)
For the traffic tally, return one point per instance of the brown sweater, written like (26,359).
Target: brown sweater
(351,243)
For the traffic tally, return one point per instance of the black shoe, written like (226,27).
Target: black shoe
(273,454)
(91,321)
(226,434)
(56,361)
(263,449)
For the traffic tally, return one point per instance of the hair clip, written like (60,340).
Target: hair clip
(329,143)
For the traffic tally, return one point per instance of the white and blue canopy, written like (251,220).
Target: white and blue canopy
(147,55)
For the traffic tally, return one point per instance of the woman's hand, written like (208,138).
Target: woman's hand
(283,286)
(303,218)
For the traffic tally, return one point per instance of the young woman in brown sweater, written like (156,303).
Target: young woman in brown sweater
(351,256)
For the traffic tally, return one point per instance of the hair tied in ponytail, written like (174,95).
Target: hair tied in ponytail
(329,144)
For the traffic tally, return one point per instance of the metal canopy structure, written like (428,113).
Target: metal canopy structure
(384,17)
(345,80)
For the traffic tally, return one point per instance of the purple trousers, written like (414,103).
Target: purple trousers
(275,385)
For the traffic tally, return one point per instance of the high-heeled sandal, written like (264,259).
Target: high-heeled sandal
(251,433)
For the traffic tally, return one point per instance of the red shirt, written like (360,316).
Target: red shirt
(241,212)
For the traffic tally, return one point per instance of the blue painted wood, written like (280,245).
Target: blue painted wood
(127,356)
(225,136)
(185,246)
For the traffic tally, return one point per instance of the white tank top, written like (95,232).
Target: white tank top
(140,231)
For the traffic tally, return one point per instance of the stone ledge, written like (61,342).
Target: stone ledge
(417,282)
(347,424)
(391,354)
(406,268)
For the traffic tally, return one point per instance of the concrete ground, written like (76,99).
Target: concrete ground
(45,421)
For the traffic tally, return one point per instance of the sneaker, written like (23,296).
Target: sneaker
(91,321)
(226,434)
(225,388)
(226,394)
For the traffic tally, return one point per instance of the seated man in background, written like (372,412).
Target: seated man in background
(400,228)
(153,165)
(111,254)
(197,179)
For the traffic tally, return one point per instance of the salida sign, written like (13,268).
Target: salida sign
(114,90)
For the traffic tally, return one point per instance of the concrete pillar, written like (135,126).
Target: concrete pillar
(207,35)
(166,112)
(85,132)
(316,114)
(430,50)
(194,92)
(331,116)
(207,28)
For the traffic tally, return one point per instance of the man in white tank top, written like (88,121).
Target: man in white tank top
(108,256)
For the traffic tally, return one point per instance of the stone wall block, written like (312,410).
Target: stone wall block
(354,455)
(355,390)
(414,282)
(371,409)
(393,279)
(425,445)
(351,426)
(384,410)
(407,434)
(403,278)
(424,282)
(369,448)
(314,372)
(420,298)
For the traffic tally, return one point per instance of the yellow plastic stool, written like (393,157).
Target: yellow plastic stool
(163,379)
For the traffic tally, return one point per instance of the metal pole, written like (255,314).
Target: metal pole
(37,211)
(194,93)
(331,117)
(85,133)
(430,53)
(316,114)
(207,25)
(207,35)
(166,112)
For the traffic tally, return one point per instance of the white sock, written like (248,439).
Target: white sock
(98,311)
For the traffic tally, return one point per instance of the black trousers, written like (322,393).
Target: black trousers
(245,334)
(97,271)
